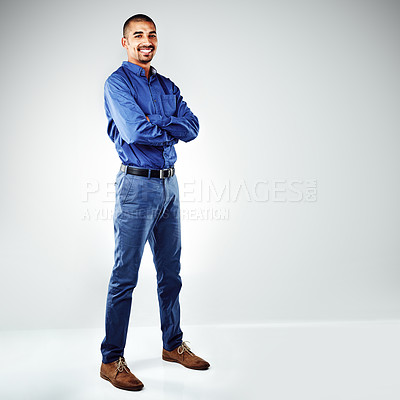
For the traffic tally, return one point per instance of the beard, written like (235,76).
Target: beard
(145,60)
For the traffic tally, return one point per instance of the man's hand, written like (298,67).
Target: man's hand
(147,118)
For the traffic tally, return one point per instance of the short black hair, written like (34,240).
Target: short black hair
(136,17)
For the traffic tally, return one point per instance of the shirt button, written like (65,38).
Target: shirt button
(154,101)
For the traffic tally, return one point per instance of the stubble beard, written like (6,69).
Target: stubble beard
(145,60)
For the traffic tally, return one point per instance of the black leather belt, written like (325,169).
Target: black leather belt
(153,173)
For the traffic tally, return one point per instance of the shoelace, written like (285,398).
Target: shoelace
(121,366)
(184,347)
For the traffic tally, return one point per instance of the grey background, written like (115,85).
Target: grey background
(284,90)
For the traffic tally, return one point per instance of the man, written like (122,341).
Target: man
(146,116)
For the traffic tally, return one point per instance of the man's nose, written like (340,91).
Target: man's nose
(147,41)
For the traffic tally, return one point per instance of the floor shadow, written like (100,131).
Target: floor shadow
(144,363)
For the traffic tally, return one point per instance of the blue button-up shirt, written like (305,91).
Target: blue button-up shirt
(128,97)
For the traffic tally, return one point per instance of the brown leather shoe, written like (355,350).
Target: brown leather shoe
(183,355)
(118,373)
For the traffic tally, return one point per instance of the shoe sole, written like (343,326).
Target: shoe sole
(172,360)
(131,389)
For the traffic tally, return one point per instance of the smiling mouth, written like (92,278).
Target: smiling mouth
(145,51)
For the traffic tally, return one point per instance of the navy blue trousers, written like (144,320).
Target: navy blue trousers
(146,209)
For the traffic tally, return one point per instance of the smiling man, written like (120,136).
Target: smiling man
(146,116)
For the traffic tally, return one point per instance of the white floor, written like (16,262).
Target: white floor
(321,361)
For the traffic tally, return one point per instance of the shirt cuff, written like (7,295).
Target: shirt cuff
(159,120)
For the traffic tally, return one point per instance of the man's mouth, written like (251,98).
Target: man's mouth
(145,51)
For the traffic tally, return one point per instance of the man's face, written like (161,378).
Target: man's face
(140,42)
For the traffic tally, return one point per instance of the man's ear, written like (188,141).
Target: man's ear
(123,42)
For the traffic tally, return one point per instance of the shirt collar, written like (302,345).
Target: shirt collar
(137,69)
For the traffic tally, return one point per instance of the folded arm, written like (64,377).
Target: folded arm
(129,118)
(185,126)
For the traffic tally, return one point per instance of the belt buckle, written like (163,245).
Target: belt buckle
(168,175)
